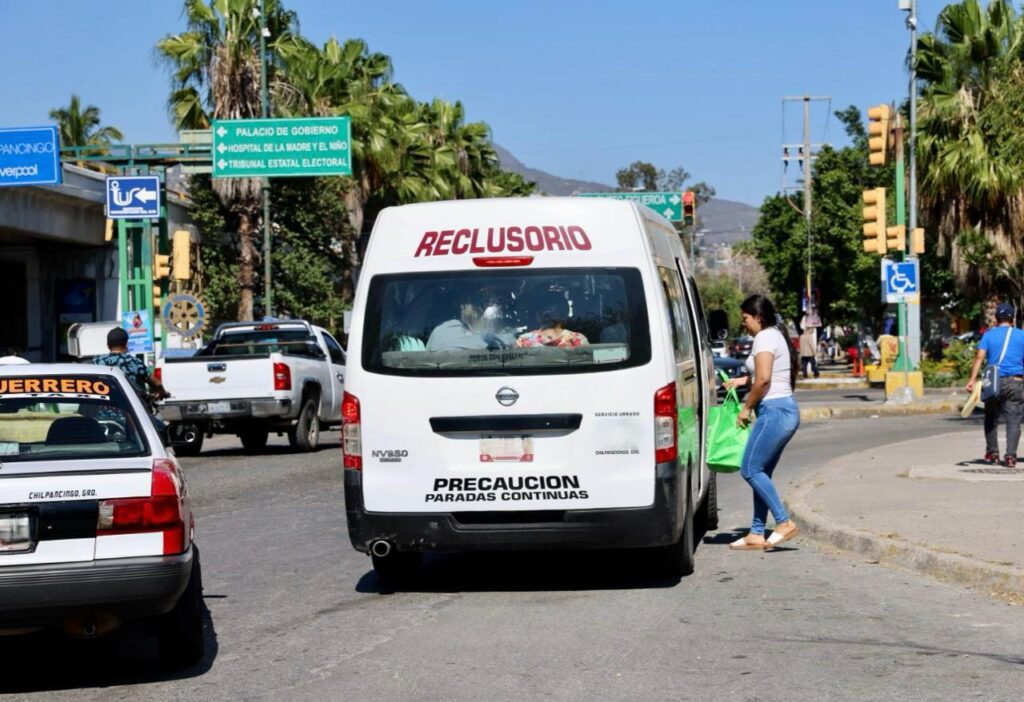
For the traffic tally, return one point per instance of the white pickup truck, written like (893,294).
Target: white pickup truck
(255,378)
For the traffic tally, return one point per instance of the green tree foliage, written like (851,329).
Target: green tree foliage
(403,151)
(971,144)
(846,277)
(720,291)
(81,127)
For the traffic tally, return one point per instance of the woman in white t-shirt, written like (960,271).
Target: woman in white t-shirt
(771,375)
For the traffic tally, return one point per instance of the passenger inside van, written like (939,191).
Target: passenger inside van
(469,331)
(552,314)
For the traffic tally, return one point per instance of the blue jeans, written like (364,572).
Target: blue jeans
(777,421)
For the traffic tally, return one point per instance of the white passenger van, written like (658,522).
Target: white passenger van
(528,373)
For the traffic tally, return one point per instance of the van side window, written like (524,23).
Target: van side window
(698,306)
(682,335)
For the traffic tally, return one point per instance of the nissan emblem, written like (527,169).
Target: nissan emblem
(506,396)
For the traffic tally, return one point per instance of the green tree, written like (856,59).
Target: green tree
(719,291)
(639,175)
(971,142)
(81,127)
(216,75)
(846,277)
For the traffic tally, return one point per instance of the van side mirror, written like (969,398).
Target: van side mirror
(718,324)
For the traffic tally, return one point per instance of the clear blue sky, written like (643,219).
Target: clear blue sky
(578,88)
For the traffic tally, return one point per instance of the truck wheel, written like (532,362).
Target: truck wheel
(305,435)
(398,567)
(180,631)
(192,435)
(708,517)
(254,439)
(677,561)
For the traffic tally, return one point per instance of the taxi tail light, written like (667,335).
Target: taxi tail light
(665,424)
(164,511)
(282,376)
(351,434)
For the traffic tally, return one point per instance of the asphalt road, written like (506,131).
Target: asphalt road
(296,614)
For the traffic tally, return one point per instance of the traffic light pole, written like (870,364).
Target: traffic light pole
(903,360)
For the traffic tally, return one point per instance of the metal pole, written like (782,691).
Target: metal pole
(807,202)
(268,295)
(914,328)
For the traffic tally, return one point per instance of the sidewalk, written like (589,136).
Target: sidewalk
(859,404)
(929,505)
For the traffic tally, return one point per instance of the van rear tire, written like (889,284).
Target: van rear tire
(677,560)
(709,514)
(398,567)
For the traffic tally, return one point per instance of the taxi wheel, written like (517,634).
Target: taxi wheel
(677,560)
(398,567)
(180,631)
(305,435)
(254,439)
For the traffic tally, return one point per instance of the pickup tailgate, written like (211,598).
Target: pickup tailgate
(208,378)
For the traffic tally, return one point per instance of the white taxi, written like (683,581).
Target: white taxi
(96,526)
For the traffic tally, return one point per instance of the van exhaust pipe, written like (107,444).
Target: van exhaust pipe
(380,548)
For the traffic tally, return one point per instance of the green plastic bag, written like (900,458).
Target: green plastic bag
(726,441)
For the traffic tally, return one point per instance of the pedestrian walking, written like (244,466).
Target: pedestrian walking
(1002,347)
(771,375)
(808,353)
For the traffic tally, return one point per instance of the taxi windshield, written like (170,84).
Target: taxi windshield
(66,418)
(509,322)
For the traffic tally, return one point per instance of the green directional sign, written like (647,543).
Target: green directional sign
(668,205)
(306,146)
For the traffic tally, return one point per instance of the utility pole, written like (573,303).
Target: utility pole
(805,156)
(914,316)
(268,294)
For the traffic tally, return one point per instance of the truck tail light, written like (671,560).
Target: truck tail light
(282,376)
(164,511)
(665,424)
(351,435)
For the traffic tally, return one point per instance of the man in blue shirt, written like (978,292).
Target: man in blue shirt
(1010,402)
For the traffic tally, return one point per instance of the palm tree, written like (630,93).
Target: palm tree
(80,127)
(216,75)
(970,186)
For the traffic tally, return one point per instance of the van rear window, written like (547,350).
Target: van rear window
(508,322)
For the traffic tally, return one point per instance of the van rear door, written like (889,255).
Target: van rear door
(510,389)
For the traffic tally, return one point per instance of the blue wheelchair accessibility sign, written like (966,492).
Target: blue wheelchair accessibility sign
(133,197)
(900,281)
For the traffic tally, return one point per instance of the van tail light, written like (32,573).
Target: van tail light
(666,419)
(351,434)
(158,374)
(165,511)
(282,376)
(501,261)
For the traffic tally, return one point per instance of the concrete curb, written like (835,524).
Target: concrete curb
(1004,582)
(816,414)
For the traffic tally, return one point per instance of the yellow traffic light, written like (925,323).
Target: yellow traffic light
(161,266)
(879,117)
(896,238)
(874,221)
(158,297)
(180,247)
(917,241)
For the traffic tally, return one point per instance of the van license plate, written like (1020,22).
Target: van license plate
(217,407)
(15,533)
(517,449)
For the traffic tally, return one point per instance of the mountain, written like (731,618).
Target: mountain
(726,221)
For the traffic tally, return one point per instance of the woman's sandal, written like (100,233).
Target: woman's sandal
(742,544)
(778,537)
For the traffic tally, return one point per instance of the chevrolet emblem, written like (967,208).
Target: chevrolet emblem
(218,379)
